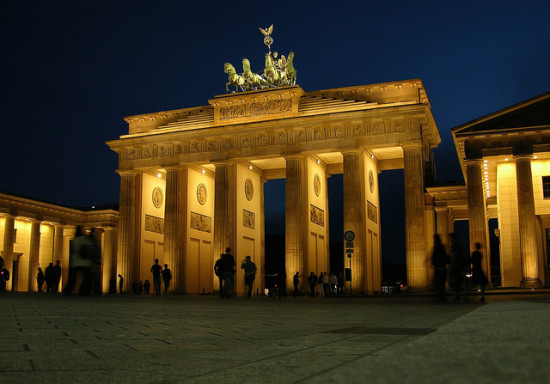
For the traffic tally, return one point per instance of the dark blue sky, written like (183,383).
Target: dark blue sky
(71,70)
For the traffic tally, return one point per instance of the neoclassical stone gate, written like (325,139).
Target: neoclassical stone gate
(192,180)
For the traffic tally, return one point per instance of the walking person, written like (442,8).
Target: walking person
(312,280)
(49,276)
(440,259)
(228,262)
(120,283)
(249,274)
(296,282)
(40,278)
(478,277)
(320,284)
(156,270)
(166,277)
(218,270)
(56,276)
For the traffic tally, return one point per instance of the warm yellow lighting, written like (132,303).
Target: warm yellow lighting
(250,166)
(203,171)
(505,159)
(158,175)
(485,161)
(535,157)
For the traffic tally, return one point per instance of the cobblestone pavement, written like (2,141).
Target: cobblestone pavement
(180,339)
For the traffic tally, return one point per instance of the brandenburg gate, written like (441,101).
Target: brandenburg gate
(192,181)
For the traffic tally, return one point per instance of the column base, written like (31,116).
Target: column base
(531,283)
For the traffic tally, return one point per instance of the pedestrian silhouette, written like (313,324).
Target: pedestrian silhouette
(312,281)
(296,282)
(249,274)
(166,277)
(478,277)
(228,273)
(56,276)
(147,287)
(120,283)
(156,270)
(40,278)
(218,270)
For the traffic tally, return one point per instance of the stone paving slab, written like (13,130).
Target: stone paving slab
(180,339)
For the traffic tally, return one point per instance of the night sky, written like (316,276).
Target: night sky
(71,70)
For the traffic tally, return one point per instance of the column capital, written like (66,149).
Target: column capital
(473,161)
(351,151)
(414,144)
(126,172)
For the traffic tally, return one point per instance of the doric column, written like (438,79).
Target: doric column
(224,233)
(108,262)
(354,218)
(172,224)
(34,253)
(477,212)
(415,234)
(57,243)
(9,238)
(127,246)
(527,223)
(260,275)
(295,212)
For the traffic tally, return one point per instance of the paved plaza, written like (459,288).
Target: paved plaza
(181,339)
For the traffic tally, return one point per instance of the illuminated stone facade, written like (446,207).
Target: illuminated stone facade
(34,234)
(505,159)
(192,181)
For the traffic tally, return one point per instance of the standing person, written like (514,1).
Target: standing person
(326,287)
(478,277)
(56,276)
(40,278)
(228,273)
(120,283)
(296,282)
(320,284)
(156,270)
(166,277)
(249,274)
(333,281)
(440,259)
(75,260)
(459,264)
(340,284)
(49,278)
(312,280)
(218,270)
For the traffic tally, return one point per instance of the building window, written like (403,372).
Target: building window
(546,187)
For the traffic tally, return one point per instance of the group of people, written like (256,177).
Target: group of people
(158,273)
(327,286)
(52,278)
(461,265)
(225,269)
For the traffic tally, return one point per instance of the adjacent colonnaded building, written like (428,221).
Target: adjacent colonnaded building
(192,185)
